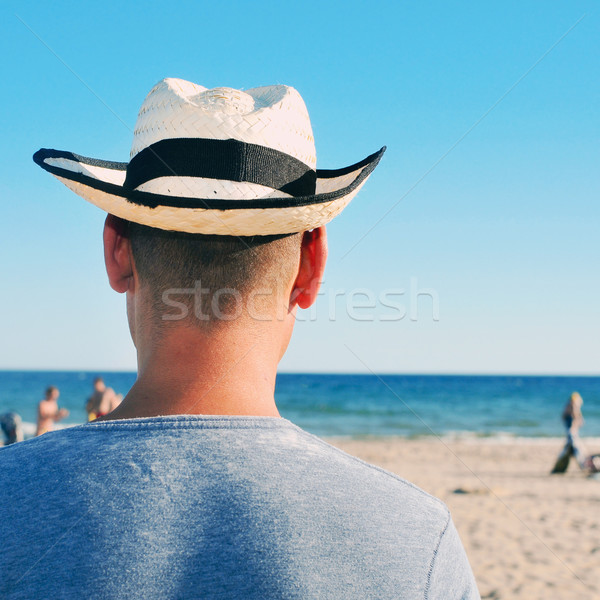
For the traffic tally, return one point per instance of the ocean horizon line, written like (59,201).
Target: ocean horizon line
(334,373)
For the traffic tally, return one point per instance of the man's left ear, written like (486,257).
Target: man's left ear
(313,256)
(117,254)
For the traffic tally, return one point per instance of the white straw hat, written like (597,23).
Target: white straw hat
(219,161)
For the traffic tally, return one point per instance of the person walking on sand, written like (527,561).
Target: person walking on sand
(102,401)
(573,420)
(48,411)
(195,486)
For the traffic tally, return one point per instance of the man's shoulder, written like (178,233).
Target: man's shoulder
(257,443)
(276,442)
(230,486)
(257,451)
(375,480)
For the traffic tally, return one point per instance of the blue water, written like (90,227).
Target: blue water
(367,405)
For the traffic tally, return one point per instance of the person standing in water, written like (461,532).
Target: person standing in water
(573,420)
(102,401)
(48,411)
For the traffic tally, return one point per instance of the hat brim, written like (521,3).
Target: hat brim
(101,183)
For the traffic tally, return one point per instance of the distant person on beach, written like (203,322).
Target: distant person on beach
(102,401)
(12,428)
(48,411)
(573,419)
(195,487)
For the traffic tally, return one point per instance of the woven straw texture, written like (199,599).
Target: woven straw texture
(274,117)
(242,222)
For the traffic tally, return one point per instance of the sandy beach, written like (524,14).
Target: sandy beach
(528,534)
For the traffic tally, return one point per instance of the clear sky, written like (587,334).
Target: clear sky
(481,223)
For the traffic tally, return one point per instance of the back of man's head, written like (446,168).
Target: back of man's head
(207,280)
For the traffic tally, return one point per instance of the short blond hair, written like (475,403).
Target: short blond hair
(576,399)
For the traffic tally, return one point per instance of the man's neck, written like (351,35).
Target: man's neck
(216,373)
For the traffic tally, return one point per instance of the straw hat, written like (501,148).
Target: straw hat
(216,161)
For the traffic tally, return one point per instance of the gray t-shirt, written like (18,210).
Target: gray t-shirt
(216,507)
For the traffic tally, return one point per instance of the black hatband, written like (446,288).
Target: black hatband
(230,160)
(363,169)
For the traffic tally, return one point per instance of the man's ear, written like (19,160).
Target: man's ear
(117,254)
(313,256)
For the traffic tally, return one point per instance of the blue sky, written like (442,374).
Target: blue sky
(494,220)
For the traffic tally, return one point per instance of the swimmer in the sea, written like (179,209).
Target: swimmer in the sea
(48,411)
(102,401)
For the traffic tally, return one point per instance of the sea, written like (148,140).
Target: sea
(364,406)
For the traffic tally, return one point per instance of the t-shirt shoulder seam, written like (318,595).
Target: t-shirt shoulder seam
(432,563)
(380,470)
